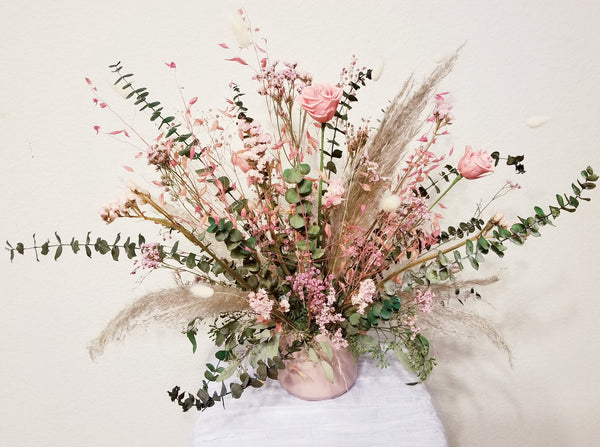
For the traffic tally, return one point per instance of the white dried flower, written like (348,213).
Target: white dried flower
(240,30)
(390,203)
(377,70)
(537,120)
(202,291)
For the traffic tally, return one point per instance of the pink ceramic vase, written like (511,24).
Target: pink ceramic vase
(306,379)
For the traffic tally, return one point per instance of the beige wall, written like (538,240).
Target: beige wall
(521,59)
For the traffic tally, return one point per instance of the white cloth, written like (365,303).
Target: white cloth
(379,410)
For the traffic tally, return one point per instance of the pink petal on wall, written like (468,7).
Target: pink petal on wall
(237,59)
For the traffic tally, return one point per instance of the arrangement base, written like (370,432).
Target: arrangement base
(306,380)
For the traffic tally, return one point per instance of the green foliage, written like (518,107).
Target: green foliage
(338,124)
(140,96)
(511,160)
(448,174)
(233,332)
(382,309)
(414,354)
(237,102)
(462,229)
(100,246)
(476,249)
(238,245)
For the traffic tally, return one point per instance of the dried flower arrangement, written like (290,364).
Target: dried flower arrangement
(308,225)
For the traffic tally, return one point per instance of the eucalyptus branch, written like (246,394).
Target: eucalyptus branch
(171,223)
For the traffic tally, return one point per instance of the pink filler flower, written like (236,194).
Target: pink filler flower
(320,101)
(474,165)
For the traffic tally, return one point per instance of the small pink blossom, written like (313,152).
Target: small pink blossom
(150,257)
(443,108)
(118,208)
(411,322)
(320,101)
(239,161)
(365,295)
(260,303)
(285,305)
(474,165)
(513,185)
(334,193)
(158,154)
(424,300)
(337,340)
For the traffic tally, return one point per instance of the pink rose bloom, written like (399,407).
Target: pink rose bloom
(474,165)
(320,101)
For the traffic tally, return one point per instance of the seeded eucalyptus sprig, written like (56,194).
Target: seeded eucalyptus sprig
(140,95)
(130,247)
(100,246)
(239,104)
(437,267)
(237,339)
(268,369)
(341,117)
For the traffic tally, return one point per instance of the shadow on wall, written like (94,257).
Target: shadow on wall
(482,400)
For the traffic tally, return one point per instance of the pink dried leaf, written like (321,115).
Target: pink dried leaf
(128,168)
(224,45)
(328,230)
(171,64)
(237,59)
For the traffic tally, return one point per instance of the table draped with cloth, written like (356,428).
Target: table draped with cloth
(379,410)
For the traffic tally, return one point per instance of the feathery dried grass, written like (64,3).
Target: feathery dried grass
(173,308)
(448,320)
(401,123)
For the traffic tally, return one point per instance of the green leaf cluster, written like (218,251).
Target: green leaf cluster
(462,229)
(511,160)
(383,309)
(476,249)
(140,96)
(341,117)
(237,102)
(238,339)
(100,246)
